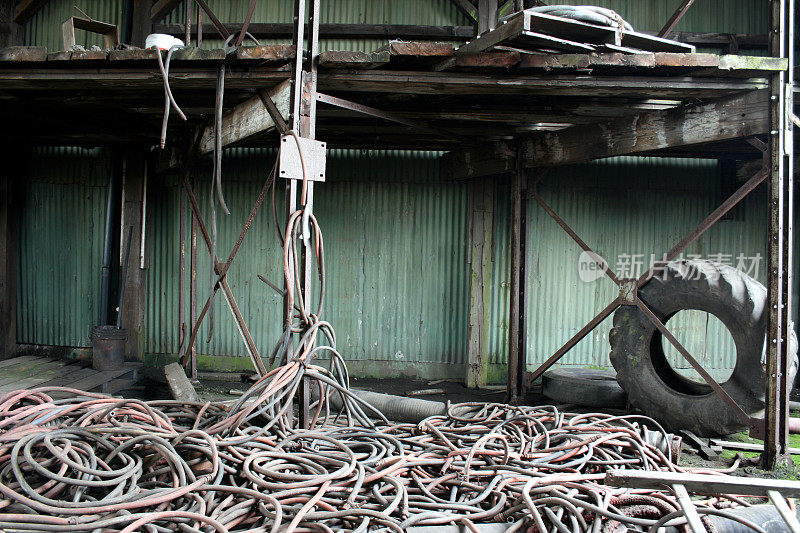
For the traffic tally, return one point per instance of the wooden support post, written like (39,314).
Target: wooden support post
(134,204)
(481,236)
(8,257)
(516,334)
(142,23)
(11,32)
(487,15)
(779,257)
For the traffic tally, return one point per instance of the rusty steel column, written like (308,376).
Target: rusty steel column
(779,257)
(304,117)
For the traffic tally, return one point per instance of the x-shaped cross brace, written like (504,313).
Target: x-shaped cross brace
(629,288)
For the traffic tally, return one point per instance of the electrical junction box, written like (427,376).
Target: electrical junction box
(313,154)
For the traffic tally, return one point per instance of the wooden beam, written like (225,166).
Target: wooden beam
(487,15)
(162,8)
(728,118)
(134,222)
(467,8)
(248,118)
(25,9)
(481,235)
(451,83)
(702,483)
(8,254)
(142,25)
(675,18)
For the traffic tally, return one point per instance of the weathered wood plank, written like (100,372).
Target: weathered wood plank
(23,53)
(98,378)
(481,231)
(442,83)
(179,385)
(72,373)
(34,370)
(248,118)
(730,118)
(702,483)
(746,446)
(269,54)
(651,63)
(89,55)
(133,54)
(345,59)
(4,364)
(495,158)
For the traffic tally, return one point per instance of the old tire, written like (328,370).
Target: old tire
(637,353)
(584,386)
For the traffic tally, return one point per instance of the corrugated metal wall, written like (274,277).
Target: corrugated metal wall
(395,242)
(61,246)
(628,210)
(396,248)
(730,16)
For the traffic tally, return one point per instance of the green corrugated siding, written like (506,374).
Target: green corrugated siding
(730,16)
(620,207)
(44,28)
(61,246)
(396,259)
(396,253)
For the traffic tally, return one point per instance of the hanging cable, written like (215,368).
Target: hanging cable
(169,100)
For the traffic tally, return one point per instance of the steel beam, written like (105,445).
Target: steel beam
(779,258)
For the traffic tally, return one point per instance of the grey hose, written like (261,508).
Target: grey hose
(169,100)
(588,14)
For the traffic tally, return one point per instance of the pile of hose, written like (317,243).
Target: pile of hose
(89,462)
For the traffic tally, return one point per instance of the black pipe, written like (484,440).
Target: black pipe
(124,276)
(108,243)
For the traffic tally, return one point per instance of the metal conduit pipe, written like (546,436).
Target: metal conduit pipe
(110,231)
(395,408)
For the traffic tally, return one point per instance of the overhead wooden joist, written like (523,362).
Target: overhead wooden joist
(415,82)
(736,117)
(249,118)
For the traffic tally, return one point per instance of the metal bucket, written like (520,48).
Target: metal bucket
(108,347)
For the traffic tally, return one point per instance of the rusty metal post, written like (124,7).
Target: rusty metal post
(304,115)
(779,258)
(192,292)
(516,335)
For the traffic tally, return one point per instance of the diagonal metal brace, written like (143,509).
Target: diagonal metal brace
(743,416)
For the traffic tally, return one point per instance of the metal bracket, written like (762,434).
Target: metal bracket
(628,291)
(290,165)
